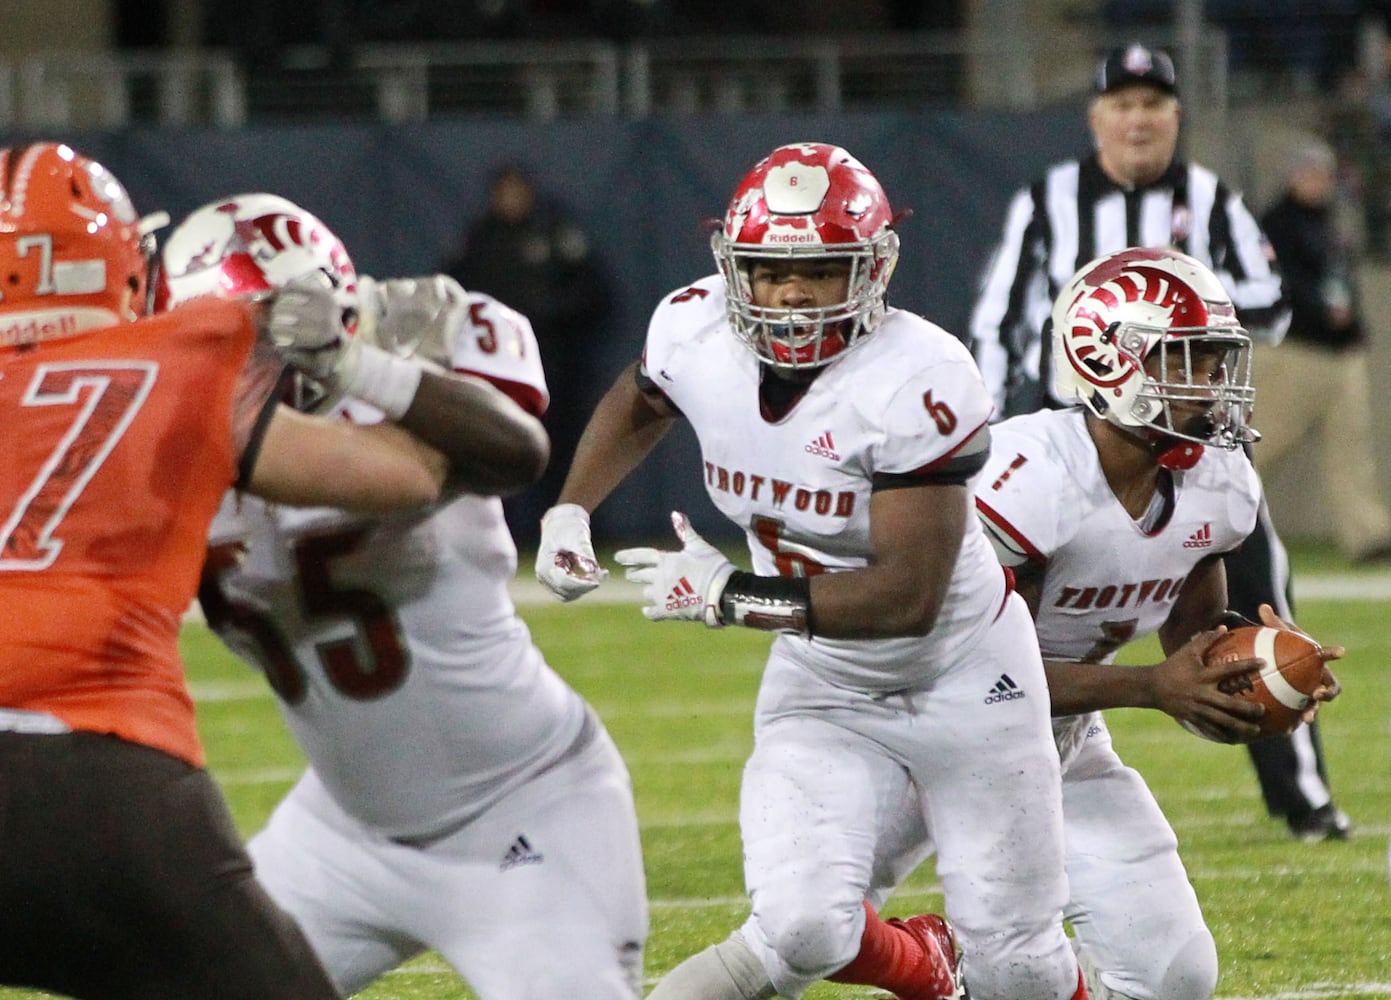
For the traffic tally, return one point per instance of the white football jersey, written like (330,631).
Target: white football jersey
(909,396)
(1109,578)
(393,644)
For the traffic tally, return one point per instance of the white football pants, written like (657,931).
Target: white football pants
(542,897)
(822,814)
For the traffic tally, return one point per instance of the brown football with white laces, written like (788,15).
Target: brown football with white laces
(1293,671)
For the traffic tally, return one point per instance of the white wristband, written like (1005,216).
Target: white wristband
(382,379)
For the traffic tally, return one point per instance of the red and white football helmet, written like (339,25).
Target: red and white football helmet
(807,201)
(1139,305)
(71,247)
(253,243)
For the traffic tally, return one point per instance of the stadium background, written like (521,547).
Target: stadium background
(1292,922)
(397,196)
(950,139)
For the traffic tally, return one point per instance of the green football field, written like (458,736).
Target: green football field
(1292,920)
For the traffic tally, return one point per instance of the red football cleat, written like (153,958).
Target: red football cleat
(941,975)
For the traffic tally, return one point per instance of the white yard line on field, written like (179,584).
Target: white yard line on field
(526,592)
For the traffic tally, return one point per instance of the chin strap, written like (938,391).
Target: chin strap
(1176,455)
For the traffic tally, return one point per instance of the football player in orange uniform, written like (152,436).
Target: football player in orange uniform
(124,875)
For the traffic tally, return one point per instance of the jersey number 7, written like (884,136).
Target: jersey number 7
(104,398)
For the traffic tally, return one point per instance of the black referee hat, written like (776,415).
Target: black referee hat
(1136,64)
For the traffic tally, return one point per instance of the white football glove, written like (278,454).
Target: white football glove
(684,585)
(565,560)
(369,309)
(420,317)
(305,326)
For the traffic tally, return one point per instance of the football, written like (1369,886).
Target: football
(1293,671)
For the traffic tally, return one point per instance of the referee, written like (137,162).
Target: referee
(1133,191)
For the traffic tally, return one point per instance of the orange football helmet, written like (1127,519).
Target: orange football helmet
(72,255)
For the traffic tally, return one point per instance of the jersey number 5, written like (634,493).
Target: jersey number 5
(360,678)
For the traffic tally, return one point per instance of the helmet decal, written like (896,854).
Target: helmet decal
(795,188)
(251,243)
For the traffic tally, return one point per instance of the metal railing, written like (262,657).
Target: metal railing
(111,89)
(544,81)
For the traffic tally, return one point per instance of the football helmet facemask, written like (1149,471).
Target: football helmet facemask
(807,202)
(72,253)
(252,243)
(1135,334)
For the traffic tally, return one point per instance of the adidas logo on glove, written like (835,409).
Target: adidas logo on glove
(683,595)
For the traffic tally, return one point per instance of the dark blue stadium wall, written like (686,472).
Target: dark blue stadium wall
(399,196)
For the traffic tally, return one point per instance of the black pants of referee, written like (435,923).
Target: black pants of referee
(1291,769)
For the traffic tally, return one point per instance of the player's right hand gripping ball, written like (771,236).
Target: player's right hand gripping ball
(1293,671)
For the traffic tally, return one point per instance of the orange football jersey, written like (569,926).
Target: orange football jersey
(120,443)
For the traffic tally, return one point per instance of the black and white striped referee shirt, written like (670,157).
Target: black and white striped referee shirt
(1075,214)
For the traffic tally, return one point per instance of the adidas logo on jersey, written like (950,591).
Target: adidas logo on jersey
(1004,690)
(1200,539)
(683,595)
(824,447)
(520,853)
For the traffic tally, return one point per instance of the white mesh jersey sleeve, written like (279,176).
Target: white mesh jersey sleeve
(684,322)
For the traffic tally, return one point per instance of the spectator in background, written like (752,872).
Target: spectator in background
(525,251)
(1316,382)
(1359,140)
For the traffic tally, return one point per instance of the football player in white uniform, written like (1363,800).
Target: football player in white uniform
(1114,515)
(460,795)
(840,434)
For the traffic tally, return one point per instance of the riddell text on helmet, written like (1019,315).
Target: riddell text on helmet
(35,330)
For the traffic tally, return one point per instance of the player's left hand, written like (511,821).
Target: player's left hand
(1330,688)
(684,585)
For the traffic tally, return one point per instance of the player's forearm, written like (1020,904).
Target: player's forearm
(302,459)
(493,445)
(1075,687)
(845,606)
